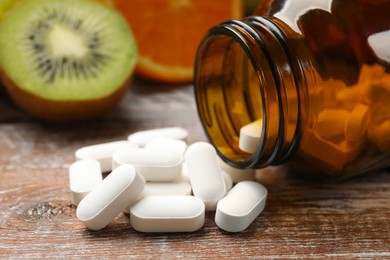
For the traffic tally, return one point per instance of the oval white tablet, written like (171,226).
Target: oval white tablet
(205,174)
(164,189)
(116,192)
(142,137)
(103,152)
(239,208)
(236,174)
(167,214)
(228,180)
(357,123)
(84,176)
(250,136)
(167,189)
(184,173)
(167,143)
(153,164)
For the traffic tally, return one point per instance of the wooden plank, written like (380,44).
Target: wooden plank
(302,219)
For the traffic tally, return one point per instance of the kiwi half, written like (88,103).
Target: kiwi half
(65,60)
(4,6)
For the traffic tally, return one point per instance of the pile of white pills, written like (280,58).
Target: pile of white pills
(163,184)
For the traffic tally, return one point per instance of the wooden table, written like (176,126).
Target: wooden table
(302,219)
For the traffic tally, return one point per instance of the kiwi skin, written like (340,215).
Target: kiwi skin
(63,111)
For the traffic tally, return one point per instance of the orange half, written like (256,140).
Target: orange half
(168,33)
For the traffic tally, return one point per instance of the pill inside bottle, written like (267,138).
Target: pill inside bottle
(300,85)
(250,136)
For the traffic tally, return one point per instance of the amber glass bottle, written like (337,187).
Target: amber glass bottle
(313,75)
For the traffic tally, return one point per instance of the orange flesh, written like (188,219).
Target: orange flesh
(168,32)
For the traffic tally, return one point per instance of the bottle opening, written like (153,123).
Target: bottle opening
(239,94)
(229,98)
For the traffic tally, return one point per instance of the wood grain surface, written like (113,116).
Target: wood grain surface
(302,218)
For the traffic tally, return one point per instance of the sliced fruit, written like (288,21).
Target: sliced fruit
(4,6)
(168,32)
(66,60)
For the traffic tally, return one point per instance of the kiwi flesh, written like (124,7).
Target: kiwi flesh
(66,60)
(4,6)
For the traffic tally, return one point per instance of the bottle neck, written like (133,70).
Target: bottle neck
(249,71)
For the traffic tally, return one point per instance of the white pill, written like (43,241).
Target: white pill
(167,143)
(240,207)
(164,189)
(153,164)
(331,123)
(84,176)
(103,152)
(205,174)
(357,123)
(228,180)
(184,174)
(236,174)
(250,136)
(142,137)
(167,214)
(116,192)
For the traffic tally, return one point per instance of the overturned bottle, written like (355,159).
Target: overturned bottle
(302,83)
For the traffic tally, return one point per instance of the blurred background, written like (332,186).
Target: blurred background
(167,34)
